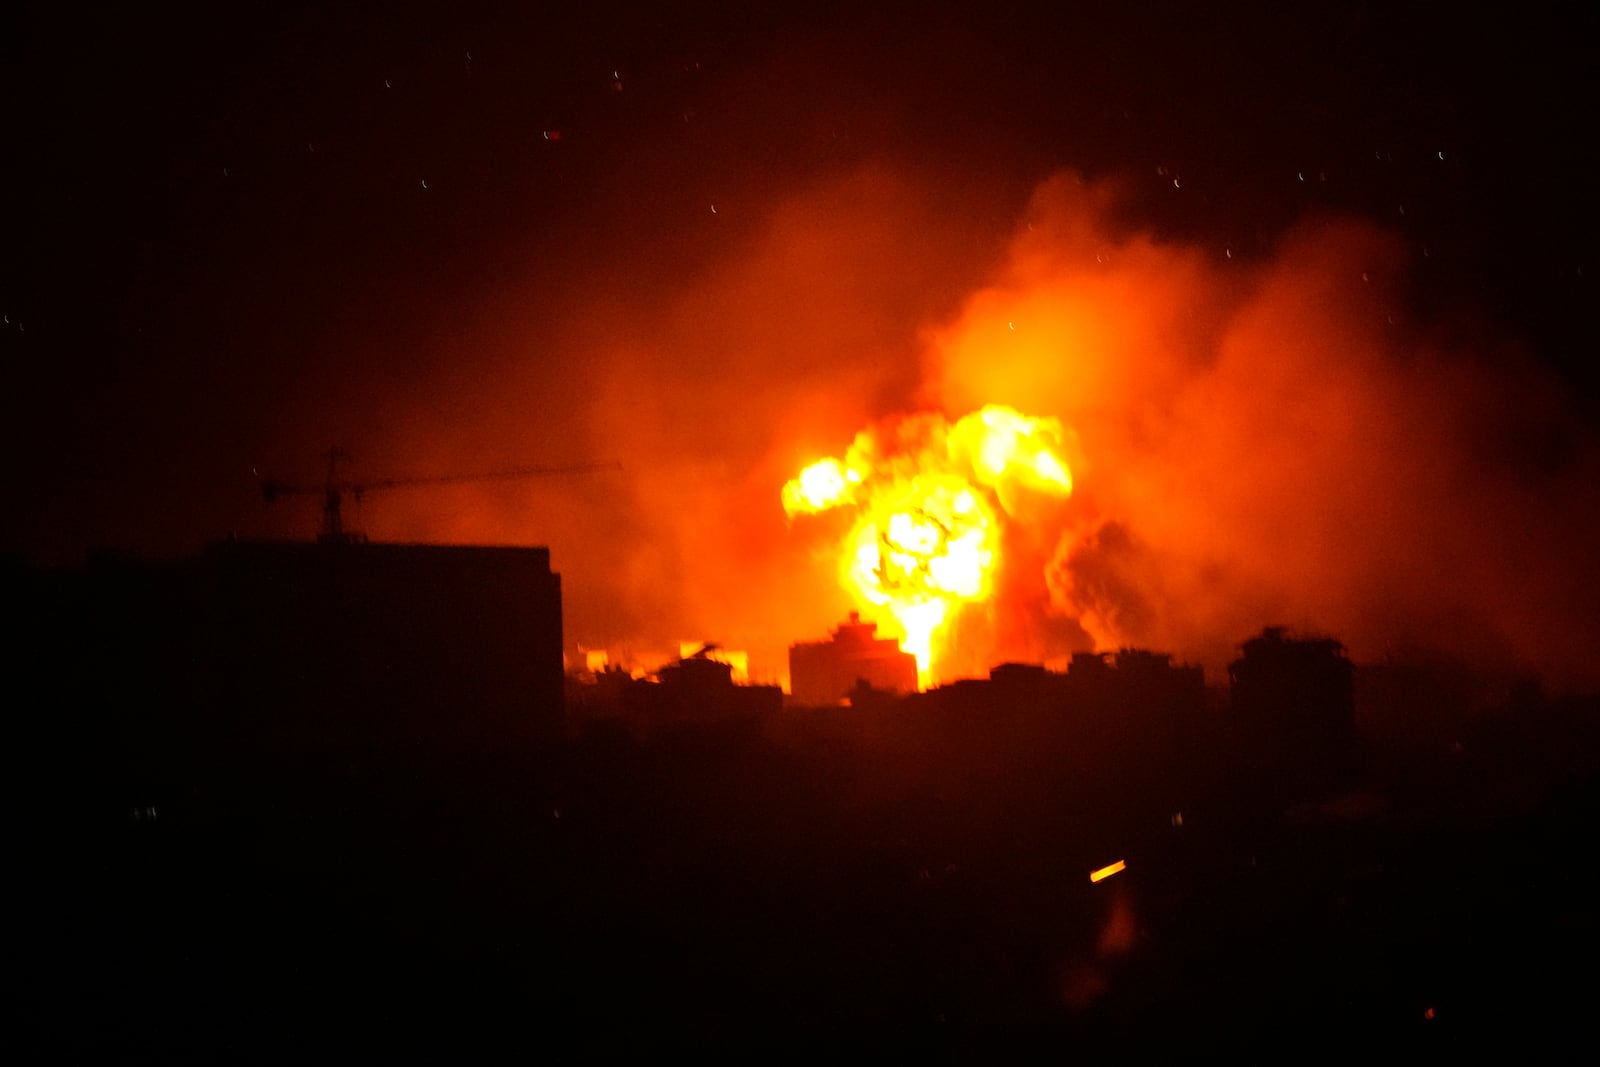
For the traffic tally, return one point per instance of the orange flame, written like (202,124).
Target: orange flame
(931,498)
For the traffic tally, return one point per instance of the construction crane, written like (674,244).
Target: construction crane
(335,489)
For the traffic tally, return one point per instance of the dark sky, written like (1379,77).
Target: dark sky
(239,234)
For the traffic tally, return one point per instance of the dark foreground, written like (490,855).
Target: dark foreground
(911,886)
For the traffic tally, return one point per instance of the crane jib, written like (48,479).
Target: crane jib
(334,489)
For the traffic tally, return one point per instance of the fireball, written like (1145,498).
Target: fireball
(930,500)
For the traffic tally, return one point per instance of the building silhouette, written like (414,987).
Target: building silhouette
(1294,703)
(825,673)
(284,644)
(696,689)
(446,629)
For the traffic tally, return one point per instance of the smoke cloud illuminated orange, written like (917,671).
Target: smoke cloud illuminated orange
(1285,440)
(1271,437)
(930,499)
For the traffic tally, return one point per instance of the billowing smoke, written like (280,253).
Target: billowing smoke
(1279,442)
(1253,441)
(711,361)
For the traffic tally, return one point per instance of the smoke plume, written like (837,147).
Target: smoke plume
(1278,441)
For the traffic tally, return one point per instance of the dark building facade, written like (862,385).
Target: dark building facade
(467,631)
(284,643)
(696,689)
(1294,701)
(1137,684)
(824,673)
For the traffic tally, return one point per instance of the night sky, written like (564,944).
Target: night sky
(462,237)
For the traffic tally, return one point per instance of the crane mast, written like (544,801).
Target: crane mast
(335,489)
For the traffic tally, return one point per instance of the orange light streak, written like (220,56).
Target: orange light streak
(1107,871)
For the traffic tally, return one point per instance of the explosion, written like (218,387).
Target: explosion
(932,501)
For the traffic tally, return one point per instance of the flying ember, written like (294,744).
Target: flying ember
(930,503)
